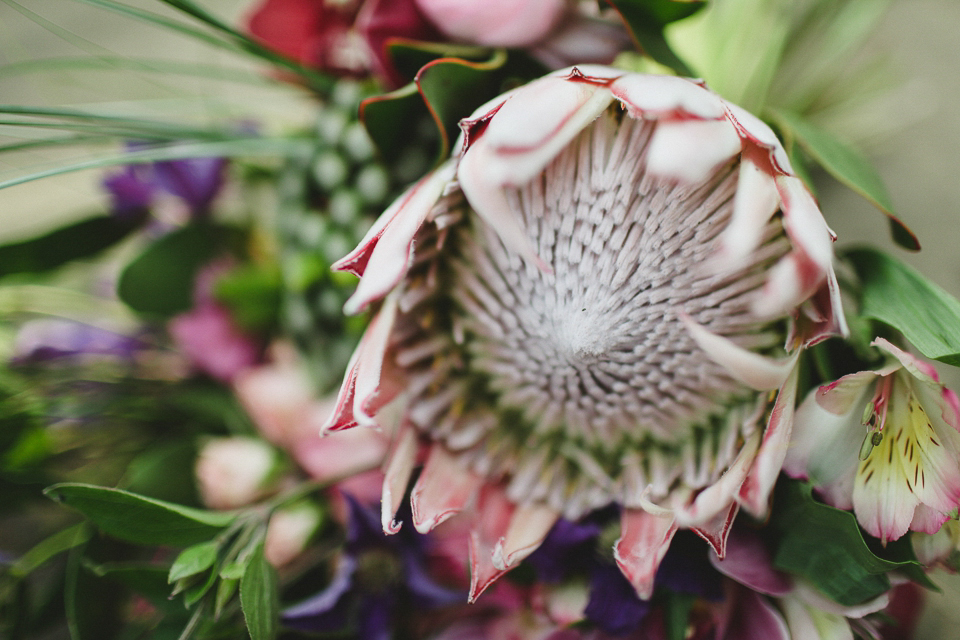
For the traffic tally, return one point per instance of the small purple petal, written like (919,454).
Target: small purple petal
(50,339)
(614,606)
(131,191)
(567,547)
(363,527)
(748,562)
(375,618)
(196,180)
(686,568)
(428,593)
(325,611)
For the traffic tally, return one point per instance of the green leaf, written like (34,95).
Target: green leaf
(193,560)
(79,240)
(677,618)
(898,295)
(253,294)
(160,280)
(850,168)
(138,519)
(225,591)
(381,114)
(452,88)
(825,546)
(259,597)
(445,90)
(57,543)
(646,19)
(147,580)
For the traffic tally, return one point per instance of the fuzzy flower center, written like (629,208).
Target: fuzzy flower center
(584,370)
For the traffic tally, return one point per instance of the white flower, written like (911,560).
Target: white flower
(884,443)
(589,304)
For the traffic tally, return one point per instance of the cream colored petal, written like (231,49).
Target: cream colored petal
(397,476)
(688,150)
(647,96)
(754,370)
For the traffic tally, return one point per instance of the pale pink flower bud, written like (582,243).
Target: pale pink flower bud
(495,23)
(288,532)
(234,472)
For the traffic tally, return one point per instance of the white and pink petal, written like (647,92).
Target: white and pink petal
(644,540)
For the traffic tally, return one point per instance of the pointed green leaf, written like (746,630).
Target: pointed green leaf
(900,296)
(160,280)
(453,88)
(225,592)
(850,168)
(381,115)
(445,90)
(79,240)
(646,19)
(193,560)
(57,543)
(138,519)
(825,546)
(259,597)
(147,580)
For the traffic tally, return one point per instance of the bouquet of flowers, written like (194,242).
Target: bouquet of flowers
(528,324)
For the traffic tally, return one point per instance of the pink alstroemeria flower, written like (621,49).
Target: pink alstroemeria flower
(585,306)
(884,443)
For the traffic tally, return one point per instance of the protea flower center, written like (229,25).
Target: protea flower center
(578,382)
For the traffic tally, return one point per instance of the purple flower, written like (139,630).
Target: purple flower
(374,577)
(52,339)
(195,181)
(131,192)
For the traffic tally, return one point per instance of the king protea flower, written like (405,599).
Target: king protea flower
(588,305)
(884,443)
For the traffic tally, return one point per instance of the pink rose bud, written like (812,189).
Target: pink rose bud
(233,472)
(496,23)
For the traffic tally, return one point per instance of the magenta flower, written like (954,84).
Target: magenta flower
(342,37)
(884,443)
(586,306)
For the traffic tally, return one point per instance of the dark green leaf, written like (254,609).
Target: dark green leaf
(147,580)
(850,168)
(82,239)
(193,560)
(677,618)
(825,546)
(453,88)
(259,597)
(55,544)
(646,19)
(381,114)
(138,519)
(92,605)
(198,588)
(898,295)
(445,90)
(160,280)
(409,57)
